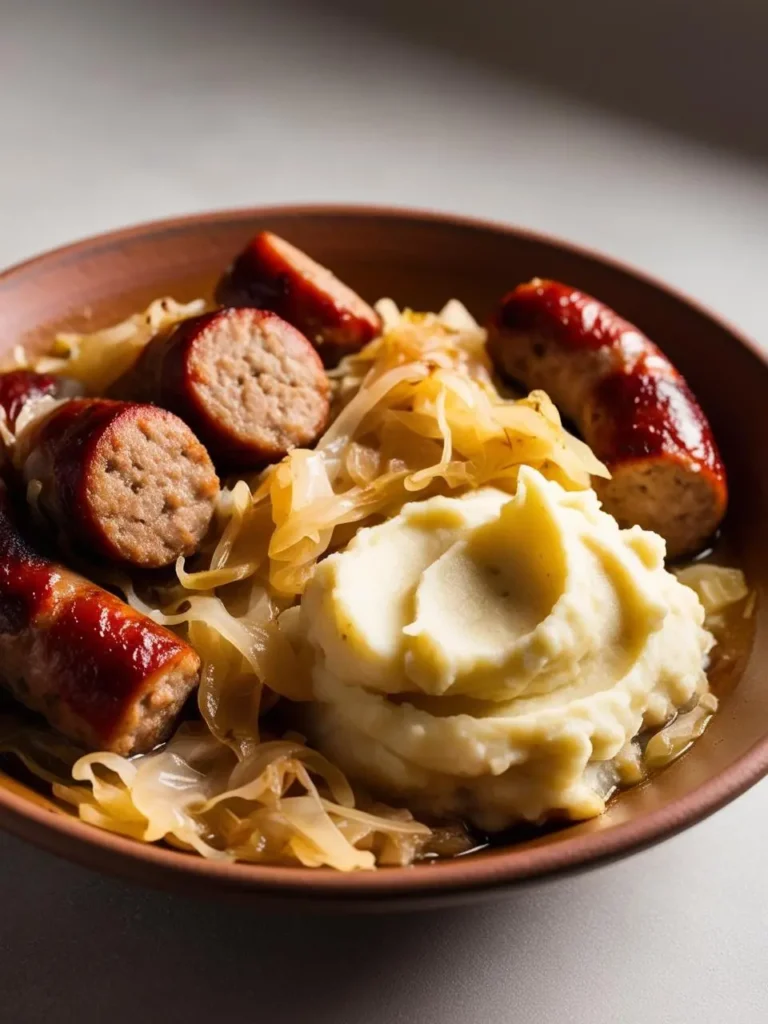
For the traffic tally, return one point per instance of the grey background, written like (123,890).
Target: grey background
(636,128)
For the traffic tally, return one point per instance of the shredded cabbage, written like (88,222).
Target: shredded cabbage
(674,739)
(267,807)
(717,586)
(98,359)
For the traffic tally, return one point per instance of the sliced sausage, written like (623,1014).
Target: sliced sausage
(100,672)
(632,406)
(128,482)
(271,273)
(248,383)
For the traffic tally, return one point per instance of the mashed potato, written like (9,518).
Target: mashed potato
(493,657)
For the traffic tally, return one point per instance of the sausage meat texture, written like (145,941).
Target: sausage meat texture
(128,482)
(101,673)
(248,383)
(270,273)
(632,406)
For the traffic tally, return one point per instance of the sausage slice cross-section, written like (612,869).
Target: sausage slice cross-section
(101,673)
(632,406)
(249,384)
(270,273)
(128,482)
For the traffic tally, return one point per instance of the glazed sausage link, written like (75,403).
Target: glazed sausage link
(101,673)
(631,404)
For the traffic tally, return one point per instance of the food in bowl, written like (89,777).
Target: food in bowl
(533,638)
(407,619)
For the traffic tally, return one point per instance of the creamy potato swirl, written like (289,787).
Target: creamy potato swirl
(492,657)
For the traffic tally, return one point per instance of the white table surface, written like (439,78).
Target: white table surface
(115,113)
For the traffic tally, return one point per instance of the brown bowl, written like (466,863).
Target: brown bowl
(421,260)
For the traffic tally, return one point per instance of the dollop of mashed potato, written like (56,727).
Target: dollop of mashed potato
(494,657)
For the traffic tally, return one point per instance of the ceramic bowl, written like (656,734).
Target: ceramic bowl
(421,260)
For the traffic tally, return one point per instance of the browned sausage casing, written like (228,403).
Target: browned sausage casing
(271,273)
(248,383)
(128,482)
(100,672)
(633,407)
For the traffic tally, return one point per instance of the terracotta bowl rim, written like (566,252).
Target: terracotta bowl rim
(498,868)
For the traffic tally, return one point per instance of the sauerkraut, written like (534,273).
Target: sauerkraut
(718,587)
(99,358)
(416,414)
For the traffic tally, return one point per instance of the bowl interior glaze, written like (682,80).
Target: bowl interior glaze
(421,260)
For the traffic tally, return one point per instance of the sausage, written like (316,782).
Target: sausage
(270,273)
(125,481)
(632,406)
(248,383)
(101,673)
